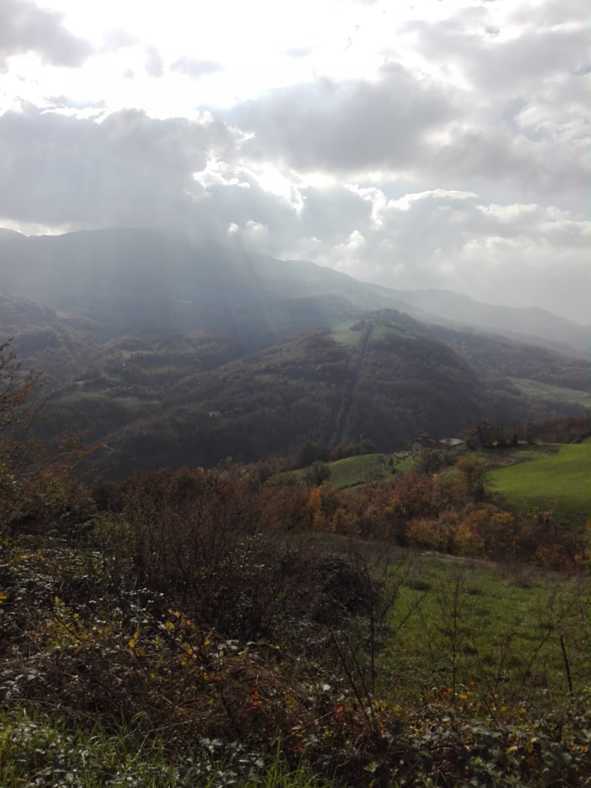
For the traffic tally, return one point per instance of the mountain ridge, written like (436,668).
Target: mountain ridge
(172,352)
(119,274)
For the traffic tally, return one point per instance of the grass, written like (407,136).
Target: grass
(543,391)
(468,625)
(343,334)
(36,750)
(360,469)
(352,471)
(560,481)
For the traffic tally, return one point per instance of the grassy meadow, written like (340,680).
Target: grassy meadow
(481,631)
(357,470)
(560,480)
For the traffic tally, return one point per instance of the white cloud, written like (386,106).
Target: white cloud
(415,144)
(192,67)
(127,168)
(345,125)
(154,63)
(24,27)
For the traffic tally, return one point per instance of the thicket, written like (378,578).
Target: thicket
(439,508)
(160,637)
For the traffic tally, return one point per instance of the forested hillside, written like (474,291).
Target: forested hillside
(169,351)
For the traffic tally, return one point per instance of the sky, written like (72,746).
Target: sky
(415,144)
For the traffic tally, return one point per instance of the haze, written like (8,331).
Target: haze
(415,145)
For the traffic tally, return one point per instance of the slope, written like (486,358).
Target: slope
(559,481)
(152,282)
(378,379)
(526,324)
(155,283)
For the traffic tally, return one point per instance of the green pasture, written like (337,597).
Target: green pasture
(560,480)
(361,469)
(478,628)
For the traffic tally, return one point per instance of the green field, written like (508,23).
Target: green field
(560,480)
(357,470)
(487,631)
(348,472)
(361,469)
(344,335)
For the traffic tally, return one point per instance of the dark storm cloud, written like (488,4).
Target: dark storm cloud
(127,169)
(351,125)
(24,27)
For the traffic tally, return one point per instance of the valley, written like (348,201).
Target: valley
(295,394)
(169,357)
(256,501)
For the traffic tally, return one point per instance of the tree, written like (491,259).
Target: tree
(309,453)
(16,388)
(317,473)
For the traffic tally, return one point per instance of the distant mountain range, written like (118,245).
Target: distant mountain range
(527,324)
(151,282)
(173,352)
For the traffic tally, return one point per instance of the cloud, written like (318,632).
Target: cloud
(196,69)
(127,169)
(24,27)
(499,64)
(518,254)
(118,38)
(298,52)
(466,165)
(553,12)
(512,125)
(130,169)
(524,131)
(345,126)
(154,64)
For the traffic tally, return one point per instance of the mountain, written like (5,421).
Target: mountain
(57,345)
(529,324)
(140,281)
(380,379)
(383,378)
(175,352)
(144,282)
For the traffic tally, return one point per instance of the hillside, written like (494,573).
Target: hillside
(173,351)
(556,480)
(363,380)
(59,345)
(154,282)
(531,325)
(384,378)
